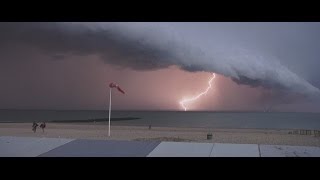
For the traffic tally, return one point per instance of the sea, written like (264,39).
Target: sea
(208,119)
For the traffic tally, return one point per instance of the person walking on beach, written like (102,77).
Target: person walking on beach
(43,125)
(34,126)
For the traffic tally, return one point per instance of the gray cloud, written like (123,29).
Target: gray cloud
(143,47)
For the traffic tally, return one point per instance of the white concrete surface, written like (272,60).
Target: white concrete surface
(182,149)
(289,151)
(235,150)
(28,146)
(33,146)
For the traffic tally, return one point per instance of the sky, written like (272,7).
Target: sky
(258,66)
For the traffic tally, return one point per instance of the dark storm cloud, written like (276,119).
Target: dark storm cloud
(142,48)
(112,44)
(247,81)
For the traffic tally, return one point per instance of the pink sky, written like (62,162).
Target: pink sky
(81,83)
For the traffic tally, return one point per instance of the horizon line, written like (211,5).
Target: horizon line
(154,110)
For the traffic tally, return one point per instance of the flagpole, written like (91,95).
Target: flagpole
(109,112)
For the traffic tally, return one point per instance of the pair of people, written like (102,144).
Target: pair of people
(35,125)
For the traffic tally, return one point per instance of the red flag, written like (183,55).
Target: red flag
(119,89)
(114,85)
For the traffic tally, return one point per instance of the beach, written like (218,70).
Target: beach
(99,131)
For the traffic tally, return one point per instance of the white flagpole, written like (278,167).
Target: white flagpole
(109,112)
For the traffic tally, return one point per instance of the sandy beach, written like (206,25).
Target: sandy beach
(136,133)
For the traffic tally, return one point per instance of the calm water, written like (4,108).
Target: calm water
(271,120)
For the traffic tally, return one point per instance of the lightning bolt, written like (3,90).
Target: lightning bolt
(182,102)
